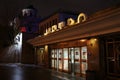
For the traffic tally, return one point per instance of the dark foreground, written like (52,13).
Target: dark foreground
(30,72)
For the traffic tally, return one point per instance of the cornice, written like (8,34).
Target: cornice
(108,23)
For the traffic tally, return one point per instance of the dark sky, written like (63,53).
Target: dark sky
(9,8)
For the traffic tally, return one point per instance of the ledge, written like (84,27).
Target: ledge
(103,25)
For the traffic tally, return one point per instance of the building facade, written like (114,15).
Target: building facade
(23,27)
(87,47)
(29,28)
(55,21)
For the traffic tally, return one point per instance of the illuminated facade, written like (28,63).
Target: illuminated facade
(29,28)
(86,46)
(55,22)
(25,26)
(29,20)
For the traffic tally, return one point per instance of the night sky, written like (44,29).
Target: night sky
(9,8)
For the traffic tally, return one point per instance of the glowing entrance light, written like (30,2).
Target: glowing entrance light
(83,40)
(46,48)
(93,42)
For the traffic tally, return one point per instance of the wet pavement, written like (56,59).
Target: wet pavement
(31,72)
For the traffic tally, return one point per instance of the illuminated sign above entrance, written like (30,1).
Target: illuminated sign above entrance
(70,21)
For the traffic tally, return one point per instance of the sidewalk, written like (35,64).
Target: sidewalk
(65,76)
(47,74)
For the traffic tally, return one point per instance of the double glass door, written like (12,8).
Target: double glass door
(113,57)
(78,60)
(71,60)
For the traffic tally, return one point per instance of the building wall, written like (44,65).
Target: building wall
(93,54)
(93,59)
(54,20)
(47,61)
(109,56)
(102,52)
(27,55)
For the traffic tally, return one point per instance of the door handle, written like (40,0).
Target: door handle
(112,59)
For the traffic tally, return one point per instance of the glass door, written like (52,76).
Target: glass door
(71,61)
(52,59)
(60,54)
(55,58)
(83,59)
(65,59)
(113,57)
(77,60)
(117,51)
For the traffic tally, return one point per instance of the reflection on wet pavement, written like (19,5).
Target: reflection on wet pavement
(29,72)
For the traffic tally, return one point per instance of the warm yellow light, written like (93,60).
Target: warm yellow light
(81,18)
(93,41)
(70,21)
(61,25)
(46,48)
(54,28)
(46,32)
(83,40)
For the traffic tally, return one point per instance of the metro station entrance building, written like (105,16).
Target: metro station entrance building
(90,48)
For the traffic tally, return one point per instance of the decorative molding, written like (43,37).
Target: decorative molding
(106,24)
